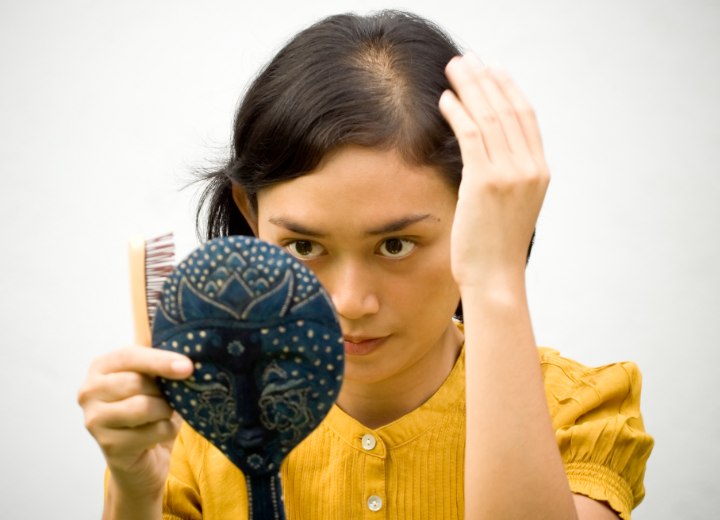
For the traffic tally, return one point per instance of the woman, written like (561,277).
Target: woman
(407,178)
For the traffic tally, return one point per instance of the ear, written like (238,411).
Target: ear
(242,201)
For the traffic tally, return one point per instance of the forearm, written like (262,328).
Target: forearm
(513,467)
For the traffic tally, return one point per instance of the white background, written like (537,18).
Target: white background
(107,108)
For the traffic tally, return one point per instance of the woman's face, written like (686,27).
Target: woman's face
(376,232)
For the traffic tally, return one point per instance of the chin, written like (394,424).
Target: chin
(365,372)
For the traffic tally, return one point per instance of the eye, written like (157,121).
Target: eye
(396,248)
(304,249)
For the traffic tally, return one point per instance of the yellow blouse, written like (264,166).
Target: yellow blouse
(412,469)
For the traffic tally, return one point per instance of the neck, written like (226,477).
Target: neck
(382,402)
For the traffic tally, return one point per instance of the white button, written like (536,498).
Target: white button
(368,442)
(374,503)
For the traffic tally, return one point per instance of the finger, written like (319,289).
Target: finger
(119,442)
(133,412)
(470,139)
(501,105)
(150,361)
(464,76)
(121,385)
(524,112)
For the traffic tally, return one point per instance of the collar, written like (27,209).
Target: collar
(447,399)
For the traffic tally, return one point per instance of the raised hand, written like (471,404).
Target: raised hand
(505,175)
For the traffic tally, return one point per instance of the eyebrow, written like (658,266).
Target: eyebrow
(389,227)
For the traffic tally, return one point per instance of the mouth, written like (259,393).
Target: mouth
(362,346)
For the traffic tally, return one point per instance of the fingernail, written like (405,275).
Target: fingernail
(181,366)
(452,61)
(475,59)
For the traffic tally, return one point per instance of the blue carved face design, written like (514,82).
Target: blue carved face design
(266,345)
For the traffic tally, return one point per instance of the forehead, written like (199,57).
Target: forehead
(365,181)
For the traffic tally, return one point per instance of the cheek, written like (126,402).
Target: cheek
(430,294)
(441,286)
(440,291)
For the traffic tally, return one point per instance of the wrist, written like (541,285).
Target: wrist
(127,503)
(501,284)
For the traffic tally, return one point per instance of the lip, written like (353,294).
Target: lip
(362,346)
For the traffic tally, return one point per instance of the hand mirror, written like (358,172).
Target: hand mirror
(268,355)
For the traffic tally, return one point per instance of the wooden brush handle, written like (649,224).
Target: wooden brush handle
(138,294)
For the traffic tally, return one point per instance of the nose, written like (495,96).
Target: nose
(352,291)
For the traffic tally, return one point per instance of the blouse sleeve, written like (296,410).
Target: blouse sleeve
(182,497)
(599,429)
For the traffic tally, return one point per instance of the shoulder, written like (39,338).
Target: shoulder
(573,388)
(598,427)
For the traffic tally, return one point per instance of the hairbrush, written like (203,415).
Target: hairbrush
(268,355)
(150,262)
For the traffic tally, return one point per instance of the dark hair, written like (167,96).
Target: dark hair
(371,81)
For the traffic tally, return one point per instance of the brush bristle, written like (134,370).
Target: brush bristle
(159,263)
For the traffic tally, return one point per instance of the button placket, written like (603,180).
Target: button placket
(375,491)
